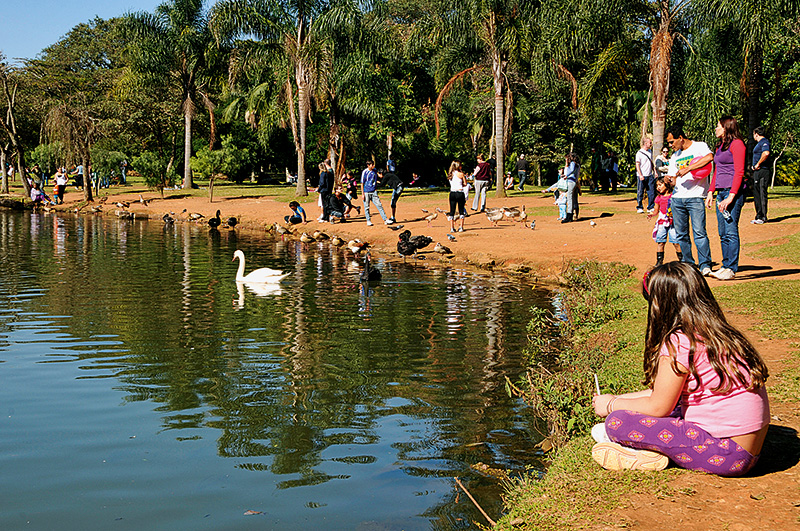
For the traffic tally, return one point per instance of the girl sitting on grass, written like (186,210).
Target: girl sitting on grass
(706,405)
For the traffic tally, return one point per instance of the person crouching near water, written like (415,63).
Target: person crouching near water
(664,231)
(695,360)
(298,214)
(338,206)
(38,196)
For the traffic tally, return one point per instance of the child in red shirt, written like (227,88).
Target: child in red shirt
(664,231)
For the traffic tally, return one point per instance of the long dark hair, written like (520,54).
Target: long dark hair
(680,300)
(730,128)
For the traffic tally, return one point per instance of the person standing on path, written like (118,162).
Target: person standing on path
(645,179)
(369,182)
(572,172)
(688,195)
(325,188)
(390,180)
(728,182)
(457,197)
(760,175)
(482,176)
(522,172)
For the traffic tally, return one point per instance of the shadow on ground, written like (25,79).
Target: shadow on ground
(781,451)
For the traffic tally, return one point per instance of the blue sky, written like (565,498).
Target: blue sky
(29,26)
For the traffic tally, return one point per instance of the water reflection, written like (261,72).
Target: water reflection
(325,382)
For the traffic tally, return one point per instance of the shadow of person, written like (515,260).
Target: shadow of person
(783,218)
(781,451)
(765,272)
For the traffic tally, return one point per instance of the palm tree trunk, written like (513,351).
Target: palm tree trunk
(498,143)
(188,184)
(4,185)
(754,87)
(302,186)
(660,64)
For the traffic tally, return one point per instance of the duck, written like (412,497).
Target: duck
(520,216)
(441,249)
(337,241)
(356,246)
(124,214)
(263,275)
(305,238)
(280,229)
(431,217)
(195,216)
(320,236)
(215,221)
(370,273)
(495,215)
(96,209)
(143,201)
(166,218)
(122,204)
(231,222)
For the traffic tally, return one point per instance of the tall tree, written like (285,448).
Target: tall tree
(9,125)
(489,32)
(287,33)
(174,45)
(757,21)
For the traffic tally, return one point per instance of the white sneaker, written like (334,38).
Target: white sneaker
(639,211)
(388,221)
(369,223)
(723,273)
(758,221)
(706,271)
(599,433)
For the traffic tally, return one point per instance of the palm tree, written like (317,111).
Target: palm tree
(489,32)
(174,46)
(287,34)
(757,21)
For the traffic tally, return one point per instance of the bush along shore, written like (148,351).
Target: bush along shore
(597,328)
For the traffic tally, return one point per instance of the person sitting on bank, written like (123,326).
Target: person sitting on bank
(38,196)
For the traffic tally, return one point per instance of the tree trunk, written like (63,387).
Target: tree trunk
(188,183)
(333,142)
(498,144)
(4,186)
(87,178)
(660,64)
(302,186)
(20,152)
(754,88)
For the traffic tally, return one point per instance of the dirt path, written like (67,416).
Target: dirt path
(608,230)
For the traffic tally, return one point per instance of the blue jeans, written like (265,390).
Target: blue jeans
(523,176)
(373,197)
(694,208)
(729,229)
(647,184)
(396,195)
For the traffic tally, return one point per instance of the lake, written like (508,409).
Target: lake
(142,388)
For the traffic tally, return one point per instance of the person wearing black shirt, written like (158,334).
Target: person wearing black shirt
(325,187)
(522,172)
(391,181)
(336,205)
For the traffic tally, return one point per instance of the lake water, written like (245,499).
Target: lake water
(140,388)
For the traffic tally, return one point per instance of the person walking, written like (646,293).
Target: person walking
(727,181)
(369,183)
(522,172)
(760,175)
(457,197)
(390,180)
(482,180)
(688,171)
(645,180)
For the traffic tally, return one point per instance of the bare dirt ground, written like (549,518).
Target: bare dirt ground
(609,229)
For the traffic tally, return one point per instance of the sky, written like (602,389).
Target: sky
(29,26)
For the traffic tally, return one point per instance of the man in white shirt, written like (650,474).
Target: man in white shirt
(688,196)
(645,179)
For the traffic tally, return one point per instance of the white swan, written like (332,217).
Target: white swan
(264,275)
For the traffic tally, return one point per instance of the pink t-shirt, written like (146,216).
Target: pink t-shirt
(722,415)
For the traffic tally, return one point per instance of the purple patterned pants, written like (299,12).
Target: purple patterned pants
(686,444)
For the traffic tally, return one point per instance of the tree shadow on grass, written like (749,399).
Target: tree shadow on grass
(781,451)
